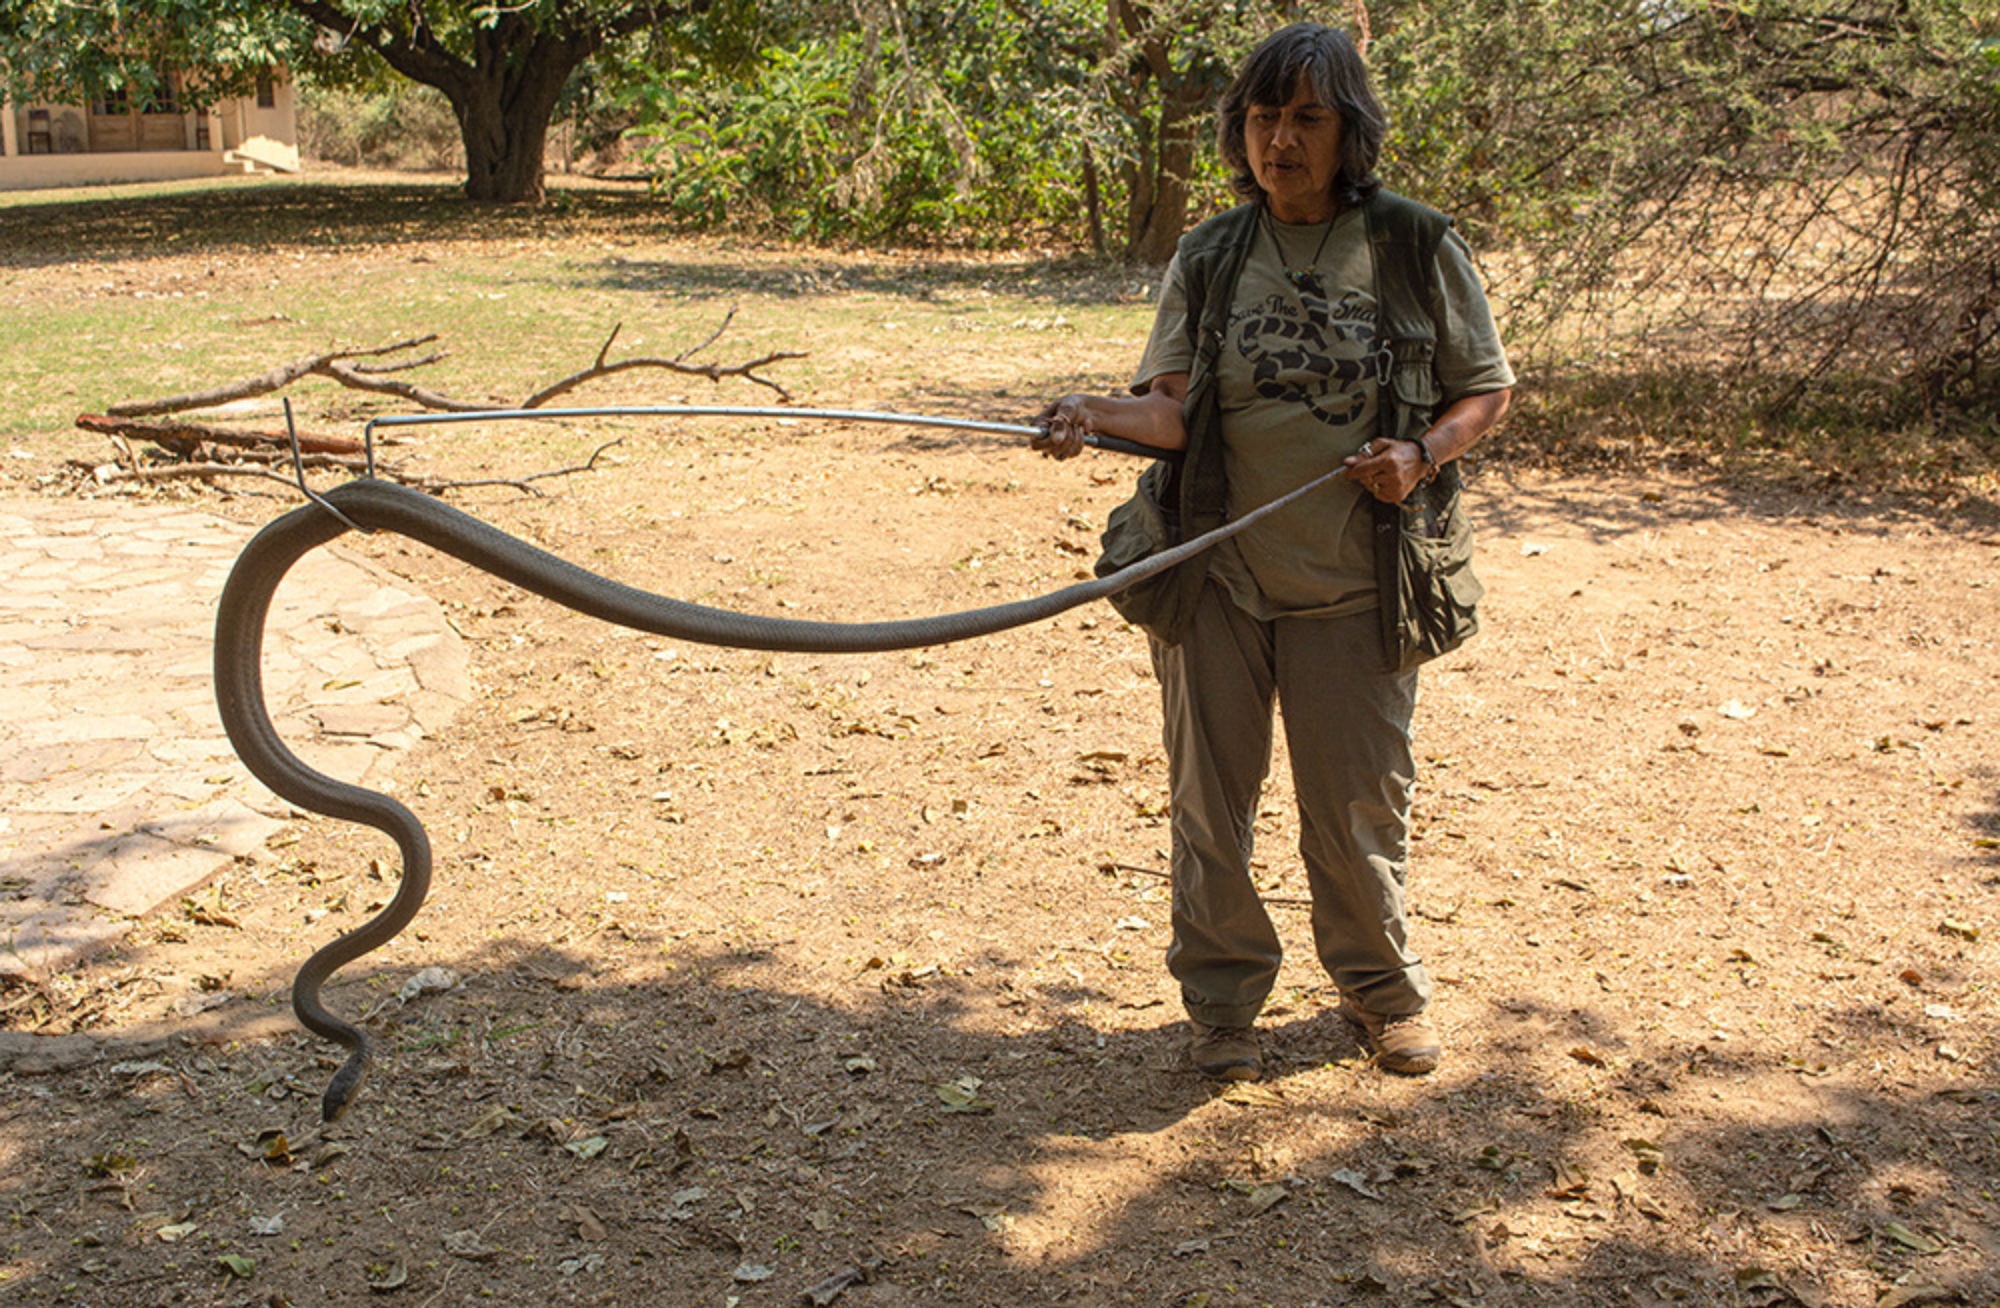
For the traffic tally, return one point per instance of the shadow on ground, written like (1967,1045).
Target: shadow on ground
(1062,282)
(265,216)
(332,214)
(639,1120)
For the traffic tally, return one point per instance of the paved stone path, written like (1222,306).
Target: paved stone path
(118,790)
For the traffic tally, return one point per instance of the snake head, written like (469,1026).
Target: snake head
(345,1086)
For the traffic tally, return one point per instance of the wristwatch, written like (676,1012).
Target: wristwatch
(1430,460)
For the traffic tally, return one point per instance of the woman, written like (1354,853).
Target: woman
(1283,328)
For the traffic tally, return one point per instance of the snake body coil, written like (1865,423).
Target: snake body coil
(384,506)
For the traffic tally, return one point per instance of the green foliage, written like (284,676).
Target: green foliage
(56,48)
(820,140)
(779,135)
(977,121)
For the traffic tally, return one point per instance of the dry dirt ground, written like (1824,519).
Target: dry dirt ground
(792,979)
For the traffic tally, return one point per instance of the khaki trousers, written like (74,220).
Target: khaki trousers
(1347,727)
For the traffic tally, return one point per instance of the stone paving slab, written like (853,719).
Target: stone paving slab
(118,790)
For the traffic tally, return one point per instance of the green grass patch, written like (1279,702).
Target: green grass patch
(110,294)
(119,294)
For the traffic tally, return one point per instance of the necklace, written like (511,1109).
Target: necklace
(1299,276)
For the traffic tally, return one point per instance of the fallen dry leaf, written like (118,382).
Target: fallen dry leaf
(495,1118)
(387,1279)
(962,1096)
(468,1245)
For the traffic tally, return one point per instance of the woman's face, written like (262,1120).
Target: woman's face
(1294,151)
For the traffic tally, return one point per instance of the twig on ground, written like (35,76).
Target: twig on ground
(131,457)
(522,484)
(181,472)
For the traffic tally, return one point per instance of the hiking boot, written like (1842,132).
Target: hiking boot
(1407,1045)
(1226,1053)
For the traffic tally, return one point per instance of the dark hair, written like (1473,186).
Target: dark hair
(1339,79)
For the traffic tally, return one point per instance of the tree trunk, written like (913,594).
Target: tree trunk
(1141,173)
(503,93)
(504,108)
(1157,230)
(1157,214)
(503,152)
(1158,180)
(1093,201)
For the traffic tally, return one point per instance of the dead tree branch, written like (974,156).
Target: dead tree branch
(184,437)
(693,350)
(382,369)
(421,396)
(276,379)
(342,366)
(715,372)
(199,447)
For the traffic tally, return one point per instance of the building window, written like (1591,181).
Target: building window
(165,98)
(267,92)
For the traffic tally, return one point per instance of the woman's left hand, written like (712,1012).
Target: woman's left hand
(1387,469)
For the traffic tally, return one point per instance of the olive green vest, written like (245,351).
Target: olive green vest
(1178,501)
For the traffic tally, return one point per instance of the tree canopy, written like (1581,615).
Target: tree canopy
(1804,187)
(502,67)
(57,48)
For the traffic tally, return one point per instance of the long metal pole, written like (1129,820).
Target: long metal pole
(1094,440)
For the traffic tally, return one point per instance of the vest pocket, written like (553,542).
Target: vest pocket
(1414,386)
(1140,527)
(1137,529)
(1438,607)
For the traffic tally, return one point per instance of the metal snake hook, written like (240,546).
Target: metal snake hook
(299,469)
(1095,440)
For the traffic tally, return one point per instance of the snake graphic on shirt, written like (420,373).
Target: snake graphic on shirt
(1310,350)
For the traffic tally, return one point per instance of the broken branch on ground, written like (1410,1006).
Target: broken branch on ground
(204,449)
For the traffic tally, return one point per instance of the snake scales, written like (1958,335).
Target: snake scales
(384,506)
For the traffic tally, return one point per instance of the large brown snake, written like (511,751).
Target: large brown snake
(383,506)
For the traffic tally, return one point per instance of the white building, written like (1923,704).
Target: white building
(119,139)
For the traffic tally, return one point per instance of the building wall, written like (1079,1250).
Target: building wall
(49,145)
(268,134)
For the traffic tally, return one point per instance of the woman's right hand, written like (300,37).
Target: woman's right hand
(1152,418)
(1064,424)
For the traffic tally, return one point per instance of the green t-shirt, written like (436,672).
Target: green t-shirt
(1296,381)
